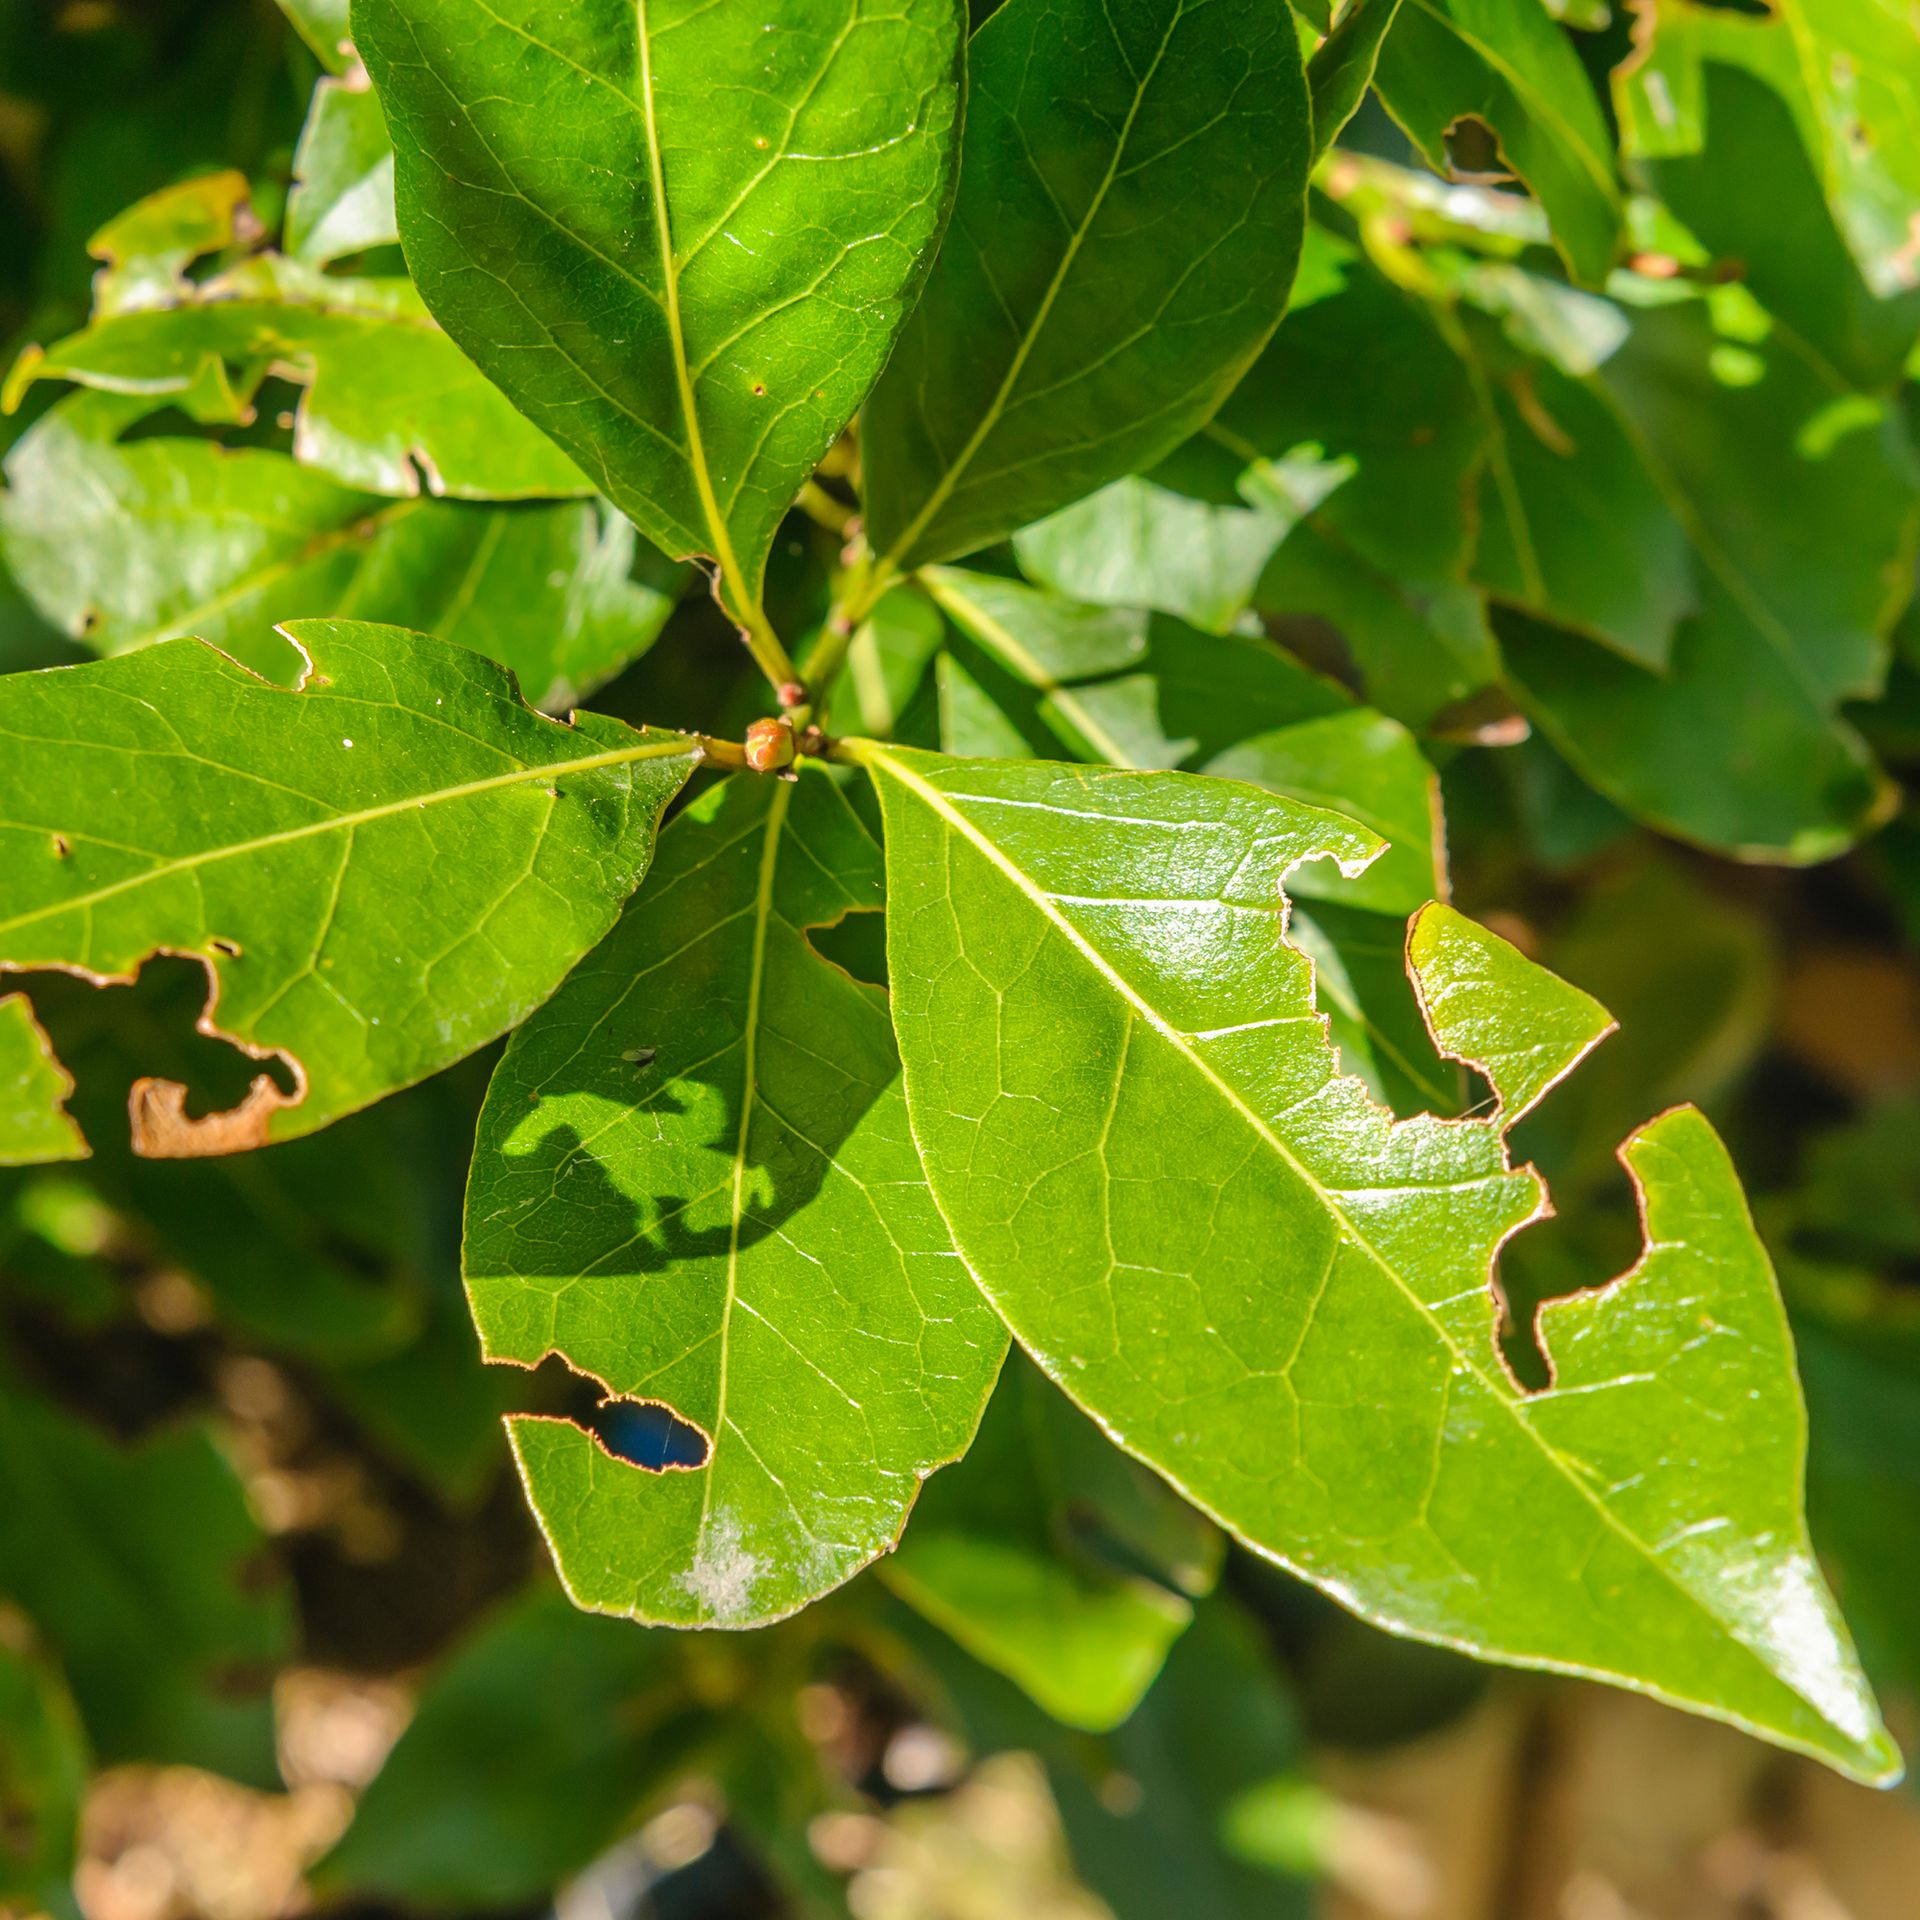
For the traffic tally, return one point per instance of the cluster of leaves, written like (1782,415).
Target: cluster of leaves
(1075,480)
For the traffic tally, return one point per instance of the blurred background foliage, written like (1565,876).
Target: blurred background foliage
(275,1626)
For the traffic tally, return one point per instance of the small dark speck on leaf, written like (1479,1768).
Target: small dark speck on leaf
(62,847)
(231,948)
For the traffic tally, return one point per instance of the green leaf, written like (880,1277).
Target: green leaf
(1801,515)
(1154,1812)
(390,402)
(1342,67)
(1124,689)
(139,1565)
(681,236)
(1128,689)
(708,1117)
(1490,1007)
(322,24)
(43,1781)
(1129,216)
(1420,646)
(382,869)
(1054,1559)
(532,1746)
(1281,1298)
(34,1123)
(1775,225)
(1848,73)
(1862,1366)
(342,198)
(1139,544)
(887,660)
(146,250)
(127,542)
(1573,527)
(1506,64)
(1362,374)
(1216,1728)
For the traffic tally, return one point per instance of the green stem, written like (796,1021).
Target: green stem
(818,504)
(764,644)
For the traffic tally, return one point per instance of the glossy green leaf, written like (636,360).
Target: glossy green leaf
(1490,1007)
(681,236)
(390,405)
(382,869)
(141,1567)
(707,1120)
(44,1768)
(1506,64)
(1342,67)
(1129,216)
(532,1746)
(1801,515)
(127,542)
(342,198)
(1054,1559)
(1127,689)
(1121,689)
(34,1123)
(1280,1297)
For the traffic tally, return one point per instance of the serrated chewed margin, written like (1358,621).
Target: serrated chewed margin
(1356,1247)
(345,970)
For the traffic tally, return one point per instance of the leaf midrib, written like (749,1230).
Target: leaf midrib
(996,407)
(955,601)
(774,829)
(873,755)
(717,529)
(342,822)
(951,598)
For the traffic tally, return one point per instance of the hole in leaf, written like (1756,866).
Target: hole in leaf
(110,1037)
(643,1433)
(857,945)
(1473,153)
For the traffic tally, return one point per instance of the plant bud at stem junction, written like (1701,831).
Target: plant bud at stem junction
(769,745)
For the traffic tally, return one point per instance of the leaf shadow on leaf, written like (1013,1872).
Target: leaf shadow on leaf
(783,1166)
